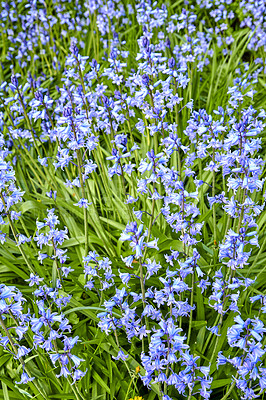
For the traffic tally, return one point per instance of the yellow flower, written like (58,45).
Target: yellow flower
(137,398)
(137,369)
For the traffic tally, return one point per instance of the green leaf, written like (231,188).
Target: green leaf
(31,205)
(5,391)
(198,324)
(220,383)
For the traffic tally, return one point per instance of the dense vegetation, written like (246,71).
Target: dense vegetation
(132,193)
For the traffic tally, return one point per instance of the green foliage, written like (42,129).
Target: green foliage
(107,379)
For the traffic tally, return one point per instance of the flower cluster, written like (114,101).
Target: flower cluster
(48,235)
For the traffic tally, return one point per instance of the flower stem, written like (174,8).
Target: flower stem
(85,214)
(191,311)
(20,359)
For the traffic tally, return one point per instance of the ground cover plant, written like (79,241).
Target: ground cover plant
(132,194)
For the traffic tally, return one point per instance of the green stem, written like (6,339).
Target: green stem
(213,208)
(129,386)
(28,123)
(72,387)
(217,339)
(27,233)
(191,311)
(142,285)
(233,383)
(20,359)
(190,394)
(150,225)
(117,342)
(230,389)
(210,335)
(125,192)
(85,214)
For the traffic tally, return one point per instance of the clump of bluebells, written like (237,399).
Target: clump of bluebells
(162,195)
(48,326)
